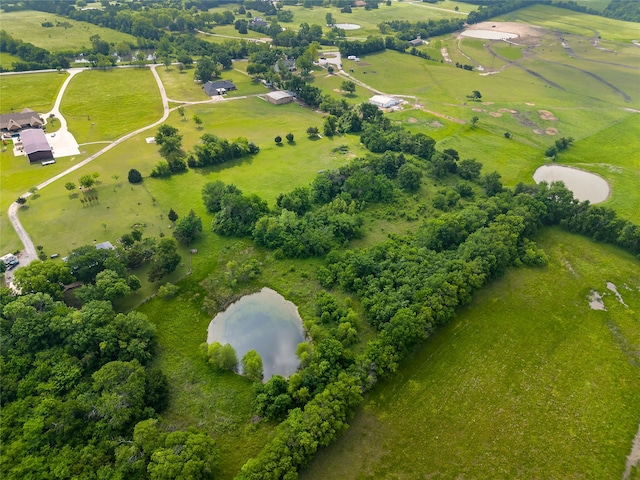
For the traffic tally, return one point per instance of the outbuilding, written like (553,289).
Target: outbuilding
(35,145)
(383,101)
(279,97)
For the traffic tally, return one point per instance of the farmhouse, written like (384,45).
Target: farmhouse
(258,22)
(279,97)
(219,87)
(383,101)
(416,42)
(35,145)
(15,121)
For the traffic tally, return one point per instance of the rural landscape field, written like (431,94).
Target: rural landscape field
(448,192)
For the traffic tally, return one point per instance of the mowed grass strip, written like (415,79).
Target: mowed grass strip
(26,25)
(107,104)
(37,91)
(527,382)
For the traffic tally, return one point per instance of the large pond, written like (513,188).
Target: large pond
(488,34)
(347,26)
(265,322)
(584,185)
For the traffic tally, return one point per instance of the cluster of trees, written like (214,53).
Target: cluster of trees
(406,30)
(80,400)
(213,150)
(170,142)
(235,214)
(558,146)
(31,57)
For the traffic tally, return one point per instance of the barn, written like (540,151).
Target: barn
(35,145)
(279,97)
(383,101)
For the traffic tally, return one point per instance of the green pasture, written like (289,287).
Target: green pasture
(6,60)
(526,382)
(330,84)
(182,88)
(568,21)
(26,25)
(37,91)
(595,4)
(97,107)
(274,170)
(229,30)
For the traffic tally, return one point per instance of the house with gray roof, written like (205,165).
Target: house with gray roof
(35,145)
(16,121)
(219,87)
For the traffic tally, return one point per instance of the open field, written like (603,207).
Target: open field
(66,34)
(6,60)
(37,91)
(503,394)
(97,108)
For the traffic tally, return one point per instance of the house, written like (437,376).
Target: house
(383,101)
(416,43)
(35,145)
(219,87)
(359,3)
(15,121)
(258,22)
(279,97)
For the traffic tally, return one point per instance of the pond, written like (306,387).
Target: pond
(265,322)
(347,26)
(584,185)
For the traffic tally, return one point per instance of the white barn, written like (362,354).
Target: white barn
(383,101)
(279,97)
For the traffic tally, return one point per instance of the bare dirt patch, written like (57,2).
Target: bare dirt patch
(530,104)
(495,114)
(412,120)
(487,103)
(527,34)
(478,109)
(547,115)
(537,131)
(507,110)
(551,131)
(436,124)
(364,64)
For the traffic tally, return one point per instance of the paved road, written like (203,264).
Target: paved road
(29,252)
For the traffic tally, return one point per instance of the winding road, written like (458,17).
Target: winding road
(29,253)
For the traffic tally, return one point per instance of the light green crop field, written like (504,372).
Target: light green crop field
(526,382)
(66,34)
(97,107)
(37,91)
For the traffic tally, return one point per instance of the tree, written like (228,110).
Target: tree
(87,261)
(134,176)
(198,121)
(469,169)
(223,358)
(313,131)
(507,135)
(475,95)
(329,19)
(181,113)
(116,178)
(188,454)
(87,181)
(252,366)
(330,124)
(188,229)
(348,87)
(21,200)
(278,139)
(289,137)
(44,277)
(474,120)
(172,215)
(165,260)
(205,70)
(409,177)
(70,186)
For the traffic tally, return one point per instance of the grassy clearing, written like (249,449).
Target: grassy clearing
(97,107)
(67,34)
(37,91)
(568,21)
(6,60)
(508,395)
(181,86)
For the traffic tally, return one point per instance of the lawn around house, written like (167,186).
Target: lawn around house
(520,385)
(37,91)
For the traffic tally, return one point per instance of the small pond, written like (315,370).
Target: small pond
(488,34)
(584,185)
(264,322)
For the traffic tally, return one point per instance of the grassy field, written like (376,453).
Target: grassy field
(66,34)
(97,107)
(37,91)
(6,60)
(500,393)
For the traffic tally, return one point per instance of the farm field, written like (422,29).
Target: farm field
(506,395)
(37,91)
(66,34)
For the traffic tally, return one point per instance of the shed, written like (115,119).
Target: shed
(383,101)
(105,246)
(35,144)
(416,42)
(218,87)
(279,97)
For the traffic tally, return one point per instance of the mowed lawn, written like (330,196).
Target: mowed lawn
(37,91)
(106,104)
(527,382)
(66,34)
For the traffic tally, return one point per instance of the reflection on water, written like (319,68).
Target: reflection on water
(584,185)
(264,322)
